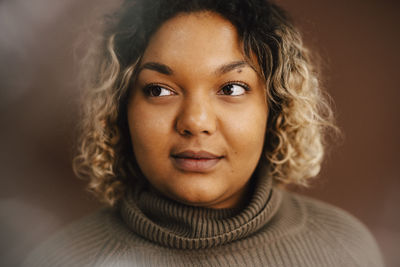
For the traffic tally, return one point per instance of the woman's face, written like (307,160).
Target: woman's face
(197,113)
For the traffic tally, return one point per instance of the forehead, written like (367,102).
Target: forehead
(194,38)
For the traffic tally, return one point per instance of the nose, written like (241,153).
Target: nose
(196,117)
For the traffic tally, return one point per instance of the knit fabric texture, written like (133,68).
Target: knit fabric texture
(275,228)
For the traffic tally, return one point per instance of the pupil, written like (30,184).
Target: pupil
(155,90)
(228,89)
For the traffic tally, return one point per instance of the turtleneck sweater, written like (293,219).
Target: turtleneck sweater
(275,228)
(178,226)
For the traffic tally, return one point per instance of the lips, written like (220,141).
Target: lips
(195,161)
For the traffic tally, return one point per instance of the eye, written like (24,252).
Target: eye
(154,90)
(233,89)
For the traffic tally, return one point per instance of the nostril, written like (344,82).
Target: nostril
(186,132)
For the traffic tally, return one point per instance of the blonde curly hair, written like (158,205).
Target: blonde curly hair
(299,117)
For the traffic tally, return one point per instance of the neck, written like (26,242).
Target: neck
(173,224)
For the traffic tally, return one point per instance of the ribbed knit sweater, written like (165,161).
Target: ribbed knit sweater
(276,228)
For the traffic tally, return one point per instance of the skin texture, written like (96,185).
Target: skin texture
(187,68)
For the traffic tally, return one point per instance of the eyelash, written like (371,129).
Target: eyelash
(150,86)
(242,84)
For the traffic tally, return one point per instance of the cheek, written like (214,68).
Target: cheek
(245,129)
(148,129)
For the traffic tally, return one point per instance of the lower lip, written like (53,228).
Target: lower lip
(195,165)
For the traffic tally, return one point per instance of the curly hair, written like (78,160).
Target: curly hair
(299,115)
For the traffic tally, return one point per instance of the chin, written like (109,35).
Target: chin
(198,197)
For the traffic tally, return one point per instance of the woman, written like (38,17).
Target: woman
(196,113)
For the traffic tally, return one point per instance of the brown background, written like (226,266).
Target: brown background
(358,41)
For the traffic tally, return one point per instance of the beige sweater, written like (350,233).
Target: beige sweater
(276,228)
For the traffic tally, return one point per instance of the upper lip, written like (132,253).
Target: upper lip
(195,154)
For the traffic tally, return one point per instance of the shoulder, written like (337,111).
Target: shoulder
(338,230)
(82,243)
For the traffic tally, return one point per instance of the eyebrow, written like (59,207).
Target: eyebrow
(161,68)
(164,69)
(231,66)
